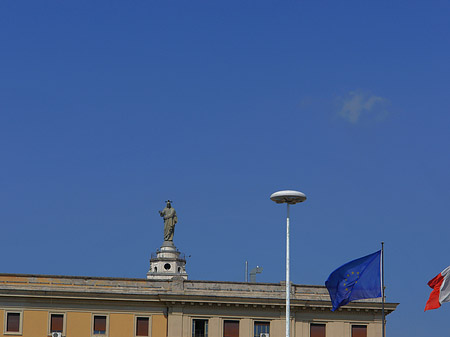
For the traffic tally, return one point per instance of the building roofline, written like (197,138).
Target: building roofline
(109,278)
(176,289)
(73,277)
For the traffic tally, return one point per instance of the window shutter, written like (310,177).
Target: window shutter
(317,330)
(100,323)
(57,323)
(359,331)
(231,329)
(142,326)
(13,322)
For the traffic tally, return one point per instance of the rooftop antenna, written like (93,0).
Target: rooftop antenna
(246,271)
(253,272)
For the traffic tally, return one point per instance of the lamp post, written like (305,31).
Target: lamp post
(290,198)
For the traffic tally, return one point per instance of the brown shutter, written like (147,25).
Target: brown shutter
(231,329)
(359,331)
(317,330)
(100,323)
(56,324)
(142,326)
(13,322)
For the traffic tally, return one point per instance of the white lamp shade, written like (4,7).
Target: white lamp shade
(288,196)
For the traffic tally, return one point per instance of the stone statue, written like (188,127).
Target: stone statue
(170,219)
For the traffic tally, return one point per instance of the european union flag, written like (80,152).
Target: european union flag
(355,280)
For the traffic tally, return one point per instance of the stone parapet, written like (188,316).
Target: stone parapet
(176,290)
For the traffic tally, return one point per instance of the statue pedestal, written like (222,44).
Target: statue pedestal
(166,263)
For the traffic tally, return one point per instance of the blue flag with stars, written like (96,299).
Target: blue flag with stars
(355,280)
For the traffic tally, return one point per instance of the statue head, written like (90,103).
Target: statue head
(169,204)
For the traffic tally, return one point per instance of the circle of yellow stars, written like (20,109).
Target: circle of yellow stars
(348,275)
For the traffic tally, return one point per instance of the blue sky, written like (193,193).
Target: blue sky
(108,108)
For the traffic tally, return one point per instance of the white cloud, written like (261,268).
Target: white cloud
(357,104)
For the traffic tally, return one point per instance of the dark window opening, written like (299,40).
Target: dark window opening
(261,327)
(200,328)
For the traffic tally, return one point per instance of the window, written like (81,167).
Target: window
(56,322)
(99,325)
(317,330)
(359,331)
(13,322)
(230,328)
(261,327)
(142,324)
(200,328)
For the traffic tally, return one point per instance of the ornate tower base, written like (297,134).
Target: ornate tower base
(167,263)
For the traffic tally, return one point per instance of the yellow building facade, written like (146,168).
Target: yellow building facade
(39,306)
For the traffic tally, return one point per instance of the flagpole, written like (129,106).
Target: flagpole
(382,289)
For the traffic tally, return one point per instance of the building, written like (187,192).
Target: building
(167,304)
(37,305)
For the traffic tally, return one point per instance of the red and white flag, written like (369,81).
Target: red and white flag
(441,290)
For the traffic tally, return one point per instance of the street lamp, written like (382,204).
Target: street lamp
(289,198)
